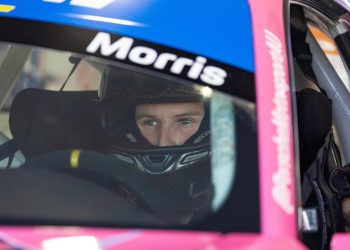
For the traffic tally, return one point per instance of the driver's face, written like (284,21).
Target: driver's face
(169,124)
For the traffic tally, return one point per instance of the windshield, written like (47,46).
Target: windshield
(86,141)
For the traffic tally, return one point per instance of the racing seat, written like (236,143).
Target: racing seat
(41,121)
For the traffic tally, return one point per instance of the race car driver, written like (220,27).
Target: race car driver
(161,128)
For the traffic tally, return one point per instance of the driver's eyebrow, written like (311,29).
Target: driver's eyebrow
(191,113)
(139,116)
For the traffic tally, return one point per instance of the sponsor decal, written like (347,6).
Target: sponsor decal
(124,48)
(154,57)
(282,178)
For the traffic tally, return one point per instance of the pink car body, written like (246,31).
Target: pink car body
(277,174)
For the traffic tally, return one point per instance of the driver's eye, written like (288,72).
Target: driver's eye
(184,121)
(150,123)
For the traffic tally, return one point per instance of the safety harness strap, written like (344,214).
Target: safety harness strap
(8,150)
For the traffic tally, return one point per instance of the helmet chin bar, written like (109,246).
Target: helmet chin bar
(162,161)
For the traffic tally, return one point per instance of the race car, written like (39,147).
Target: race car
(174,124)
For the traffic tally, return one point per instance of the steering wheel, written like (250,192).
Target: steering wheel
(72,188)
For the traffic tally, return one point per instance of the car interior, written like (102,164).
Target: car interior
(320,93)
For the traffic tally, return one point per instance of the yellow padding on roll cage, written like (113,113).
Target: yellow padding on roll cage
(74,158)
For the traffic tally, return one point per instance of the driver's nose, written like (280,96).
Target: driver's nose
(167,136)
